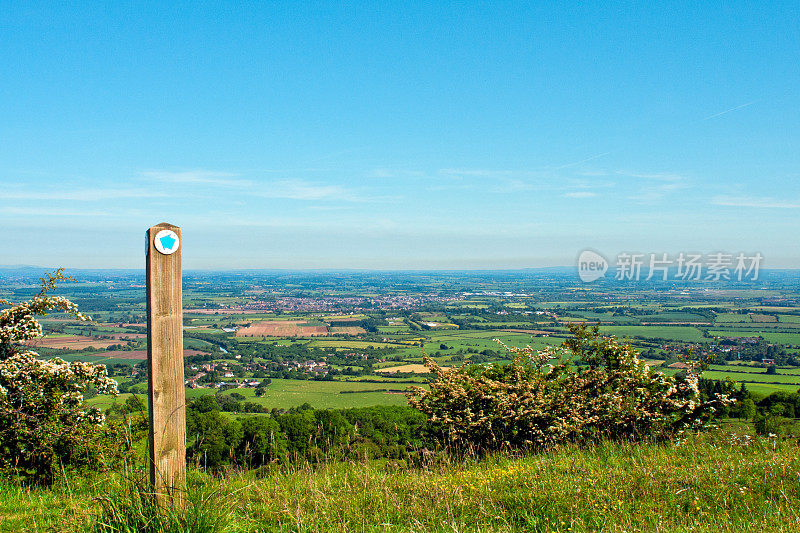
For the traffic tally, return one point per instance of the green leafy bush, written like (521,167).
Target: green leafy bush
(45,425)
(533,403)
(771,425)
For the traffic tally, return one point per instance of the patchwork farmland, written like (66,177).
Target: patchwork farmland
(242,332)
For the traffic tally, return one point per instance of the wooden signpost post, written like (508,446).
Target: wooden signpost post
(165,366)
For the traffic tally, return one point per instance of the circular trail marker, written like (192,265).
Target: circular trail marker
(167,241)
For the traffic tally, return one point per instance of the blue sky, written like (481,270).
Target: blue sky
(389,135)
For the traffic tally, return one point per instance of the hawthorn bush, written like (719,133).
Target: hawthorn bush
(597,388)
(45,426)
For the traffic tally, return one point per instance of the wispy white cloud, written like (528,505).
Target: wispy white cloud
(51,212)
(197,177)
(329,207)
(309,191)
(715,115)
(655,176)
(755,201)
(576,163)
(255,221)
(592,173)
(477,173)
(291,189)
(588,184)
(655,185)
(500,181)
(584,188)
(652,193)
(84,195)
(512,186)
(389,173)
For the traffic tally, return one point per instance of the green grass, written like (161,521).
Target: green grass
(392,329)
(765,389)
(769,336)
(198,344)
(349,344)
(604,317)
(754,377)
(789,327)
(782,338)
(287,393)
(476,340)
(30,509)
(519,323)
(736,368)
(733,317)
(710,484)
(674,316)
(673,333)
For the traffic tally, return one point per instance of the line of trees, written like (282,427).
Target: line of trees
(302,434)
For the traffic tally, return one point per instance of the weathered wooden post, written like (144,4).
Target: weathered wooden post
(165,366)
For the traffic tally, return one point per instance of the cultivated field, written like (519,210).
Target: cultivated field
(414,368)
(74,342)
(673,333)
(282,328)
(347,330)
(140,355)
(664,326)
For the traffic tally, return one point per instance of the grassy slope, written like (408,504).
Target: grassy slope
(710,484)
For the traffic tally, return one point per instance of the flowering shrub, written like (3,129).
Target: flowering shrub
(44,423)
(532,403)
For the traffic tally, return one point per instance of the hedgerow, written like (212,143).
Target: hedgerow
(591,388)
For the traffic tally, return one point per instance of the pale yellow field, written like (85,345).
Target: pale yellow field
(416,369)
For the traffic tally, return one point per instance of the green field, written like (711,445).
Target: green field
(287,393)
(794,381)
(743,367)
(733,317)
(674,316)
(672,333)
(769,336)
(349,344)
(782,338)
(755,379)
(476,340)
(765,389)
(392,329)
